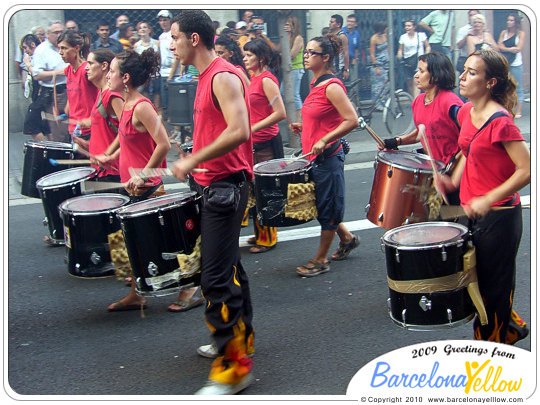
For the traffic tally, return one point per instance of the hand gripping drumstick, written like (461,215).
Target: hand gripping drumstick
(285,164)
(422,132)
(364,125)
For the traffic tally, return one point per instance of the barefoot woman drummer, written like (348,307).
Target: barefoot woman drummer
(327,115)
(496,167)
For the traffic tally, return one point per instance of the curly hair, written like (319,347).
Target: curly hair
(140,67)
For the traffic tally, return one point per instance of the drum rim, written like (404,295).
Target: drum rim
(126,211)
(44,144)
(425,246)
(409,169)
(42,187)
(305,168)
(63,206)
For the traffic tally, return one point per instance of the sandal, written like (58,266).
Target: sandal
(313,268)
(345,248)
(261,249)
(47,239)
(185,305)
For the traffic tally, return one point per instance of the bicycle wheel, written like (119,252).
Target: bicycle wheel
(398,119)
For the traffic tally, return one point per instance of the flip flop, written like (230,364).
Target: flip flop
(185,305)
(120,306)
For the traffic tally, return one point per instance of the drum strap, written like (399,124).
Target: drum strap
(103,113)
(497,114)
(466,278)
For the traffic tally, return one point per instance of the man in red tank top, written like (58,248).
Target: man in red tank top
(222,145)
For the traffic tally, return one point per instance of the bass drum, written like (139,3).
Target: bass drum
(88,220)
(423,253)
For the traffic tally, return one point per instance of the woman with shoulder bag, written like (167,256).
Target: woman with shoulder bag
(412,44)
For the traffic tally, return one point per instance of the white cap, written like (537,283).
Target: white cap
(164,13)
(240,24)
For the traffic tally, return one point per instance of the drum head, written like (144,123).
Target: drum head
(425,234)
(280,166)
(94,203)
(65,177)
(153,204)
(409,160)
(49,145)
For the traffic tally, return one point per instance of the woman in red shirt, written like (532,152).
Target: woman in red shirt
(81,93)
(142,137)
(495,168)
(266,110)
(327,115)
(104,116)
(229,50)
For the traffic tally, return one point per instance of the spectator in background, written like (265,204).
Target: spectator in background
(355,45)
(296,43)
(412,44)
(461,41)
(242,34)
(246,16)
(479,37)
(18,56)
(169,65)
(49,71)
(72,25)
(341,62)
(229,32)
(104,41)
(439,24)
(38,32)
(217,28)
(125,35)
(378,52)
(121,19)
(256,30)
(511,42)
(152,89)
(230,24)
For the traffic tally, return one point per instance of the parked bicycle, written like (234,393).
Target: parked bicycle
(396,110)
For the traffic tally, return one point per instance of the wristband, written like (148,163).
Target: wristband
(390,143)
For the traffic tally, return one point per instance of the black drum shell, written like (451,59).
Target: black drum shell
(271,196)
(36,163)
(147,237)
(88,234)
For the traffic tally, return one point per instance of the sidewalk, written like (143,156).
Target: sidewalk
(363,149)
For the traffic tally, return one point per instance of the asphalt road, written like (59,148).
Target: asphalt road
(312,335)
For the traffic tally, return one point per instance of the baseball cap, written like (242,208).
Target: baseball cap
(164,13)
(240,24)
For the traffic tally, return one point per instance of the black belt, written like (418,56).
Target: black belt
(236,178)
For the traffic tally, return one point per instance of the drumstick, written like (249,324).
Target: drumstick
(56,162)
(422,132)
(364,125)
(154,172)
(51,117)
(285,164)
(56,111)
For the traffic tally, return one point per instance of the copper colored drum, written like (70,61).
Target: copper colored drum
(401,187)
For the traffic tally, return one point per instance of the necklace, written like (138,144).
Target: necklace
(426,101)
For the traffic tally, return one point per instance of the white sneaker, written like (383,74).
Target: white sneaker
(217,388)
(208,351)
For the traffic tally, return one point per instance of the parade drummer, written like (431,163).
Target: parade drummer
(81,93)
(495,168)
(142,138)
(267,109)
(222,145)
(327,115)
(436,110)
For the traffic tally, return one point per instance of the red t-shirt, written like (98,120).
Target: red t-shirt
(319,116)
(441,132)
(81,94)
(136,148)
(488,164)
(260,107)
(209,123)
(102,133)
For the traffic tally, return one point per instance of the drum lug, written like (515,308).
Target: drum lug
(95,258)
(161,219)
(380,217)
(382,246)
(366,209)
(111,218)
(403,316)
(45,153)
(278,183)
(73,189)
(416,177)
(375,165)
(390,172)
(397,256)
(425,303)
(449,313)
(77,266)
(152,269)
(45,221)
(444,255)
(73,221)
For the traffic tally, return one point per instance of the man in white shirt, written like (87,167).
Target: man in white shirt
(461,42)
(49,71)
(169,64)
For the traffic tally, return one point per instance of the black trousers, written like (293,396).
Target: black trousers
(496,238)
(224,283)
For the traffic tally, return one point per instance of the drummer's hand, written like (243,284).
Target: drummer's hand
(102,160)
(81,142)
(182,167)
(444,182)
(85,123)
(477,207)
(134,183)
(318,148)
(295,127)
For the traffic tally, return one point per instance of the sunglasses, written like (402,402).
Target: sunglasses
(311,52)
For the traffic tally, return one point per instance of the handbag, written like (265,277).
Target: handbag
(510,56)
(411,62)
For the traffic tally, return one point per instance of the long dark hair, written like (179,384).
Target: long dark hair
(440,69)
(232,46)
(261,49)
(140,67)
(83,40)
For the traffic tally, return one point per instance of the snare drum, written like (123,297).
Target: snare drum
(88,220)
(54,189)
(423,261)
(155,232)
(401,188)
(272,180)
(36,163)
